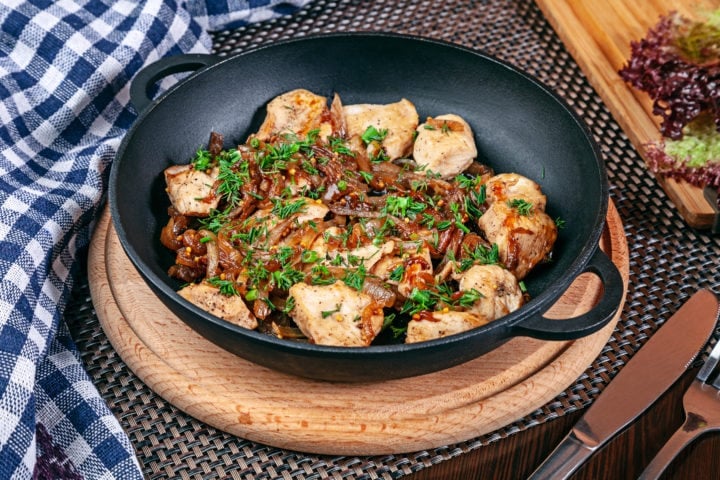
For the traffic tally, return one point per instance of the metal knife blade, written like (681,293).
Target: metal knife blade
(648,374)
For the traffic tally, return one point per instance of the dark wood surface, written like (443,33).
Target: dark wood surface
(516,456)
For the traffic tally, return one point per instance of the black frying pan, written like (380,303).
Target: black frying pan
(520,126)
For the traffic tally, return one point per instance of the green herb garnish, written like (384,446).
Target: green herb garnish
(226,287)
(480,255)
(327,313)
(522,206)
(285,209)
(202,160)
(355,278)
(372,134)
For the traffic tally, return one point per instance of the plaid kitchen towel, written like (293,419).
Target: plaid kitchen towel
(64,107)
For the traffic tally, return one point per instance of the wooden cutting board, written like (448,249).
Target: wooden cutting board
(411,414)
(598,34)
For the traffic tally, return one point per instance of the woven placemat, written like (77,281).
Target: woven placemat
(668,261)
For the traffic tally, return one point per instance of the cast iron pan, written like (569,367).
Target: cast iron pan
(520,126)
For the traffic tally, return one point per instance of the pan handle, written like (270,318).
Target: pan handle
(544,328)
(150,74)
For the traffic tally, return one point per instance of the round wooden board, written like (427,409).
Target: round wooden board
(269,407)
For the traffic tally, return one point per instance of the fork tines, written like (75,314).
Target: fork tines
(709,368)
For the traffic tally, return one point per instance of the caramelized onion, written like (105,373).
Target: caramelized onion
(377,289)
(170,233)
(212,252)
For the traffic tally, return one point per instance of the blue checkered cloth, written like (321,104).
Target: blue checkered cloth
(65,67)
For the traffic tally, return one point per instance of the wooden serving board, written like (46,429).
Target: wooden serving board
(598,34)
(411,414)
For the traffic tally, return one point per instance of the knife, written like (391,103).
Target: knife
(649,373)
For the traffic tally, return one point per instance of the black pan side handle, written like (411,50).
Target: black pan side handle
(150,74)
(600,315)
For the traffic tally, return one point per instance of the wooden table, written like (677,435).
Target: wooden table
(625,457)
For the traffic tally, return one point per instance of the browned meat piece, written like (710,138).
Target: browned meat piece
(441,324)
(400,119)
(500,290)
(231,308)
(336,314)
(367,255)
(511,186)
(445,145)
(296,112)
(191,191)
(523,240)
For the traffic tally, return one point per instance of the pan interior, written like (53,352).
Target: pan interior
(519,126)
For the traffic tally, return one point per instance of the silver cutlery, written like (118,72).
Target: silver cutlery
(650,372)
(701,403)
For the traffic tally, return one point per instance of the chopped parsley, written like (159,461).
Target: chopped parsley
(252,235)
(433,300)
(397,274)
(327,313)
(459,220)
(403,206)
(289,305)
(215,220)
(355,278)
(480,255)
(418,301)
(226,287)
(372,134)
(285,209)
(522,206)
(309,167)
(202,160)
(379,157)
(469,297)
(287,277)
(230,178)
(320,275)
(276,157)
(309,256)
(367,176)
(338,145)
(474,201)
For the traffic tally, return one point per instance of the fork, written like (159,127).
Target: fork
(701,403)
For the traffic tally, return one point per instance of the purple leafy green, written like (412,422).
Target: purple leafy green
(678,65)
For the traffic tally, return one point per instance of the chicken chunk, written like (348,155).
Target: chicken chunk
(312,211)
(367,255)
(524,239)
(336,314)
(308,210)
(510,186)
(417,272)
(400,119)
(499,288)
(191,191)
(296,112)
(445,145)
(231,308)
(442,324)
